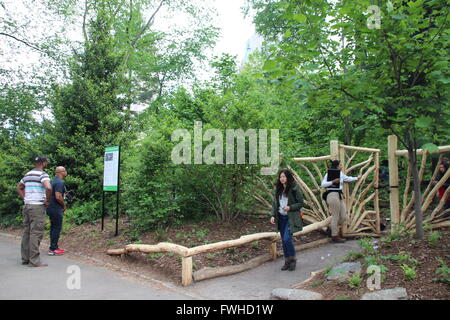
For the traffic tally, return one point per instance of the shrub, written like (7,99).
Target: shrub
(368,245)
(409,272)
(443,271)
(434,238)
(354,281)
(372,260)
(86,212)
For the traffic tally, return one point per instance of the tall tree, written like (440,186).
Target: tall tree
(89,112)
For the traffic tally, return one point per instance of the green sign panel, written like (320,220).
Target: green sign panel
(111,169)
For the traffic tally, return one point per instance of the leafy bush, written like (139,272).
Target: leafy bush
(443,271)
(354,282)
(434,238)
(409,272)
(368,245)
(86,212)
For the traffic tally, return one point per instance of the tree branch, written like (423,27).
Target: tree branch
(22,41)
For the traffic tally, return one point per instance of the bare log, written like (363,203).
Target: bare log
(312,159)
(208,273)
(232,243)
(116,252)
(146,248)
(359,148)
(404,153)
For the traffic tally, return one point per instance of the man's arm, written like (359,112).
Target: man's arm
(21,190)
(48,191)
(60,199)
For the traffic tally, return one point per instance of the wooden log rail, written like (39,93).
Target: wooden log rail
(188,253)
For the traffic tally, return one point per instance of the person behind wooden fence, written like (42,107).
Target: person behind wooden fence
(335,200)
(443,167)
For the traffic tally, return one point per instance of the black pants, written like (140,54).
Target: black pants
(56,219)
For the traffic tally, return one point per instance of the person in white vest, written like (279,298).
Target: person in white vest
(335,200)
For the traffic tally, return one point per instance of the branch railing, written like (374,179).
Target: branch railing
(403,213)
(187,254)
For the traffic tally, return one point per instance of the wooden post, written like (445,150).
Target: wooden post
(186,275)
(393,182)
(345,190)
(273,250)
(376,185)
(334,149)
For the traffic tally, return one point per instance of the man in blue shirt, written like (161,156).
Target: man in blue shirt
(56,209)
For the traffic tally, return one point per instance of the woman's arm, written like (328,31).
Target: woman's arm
(274,206)
(299,197)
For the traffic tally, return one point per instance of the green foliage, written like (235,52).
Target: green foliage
(353,256)
(85,212)
(443,272)
(372,260)
(354,282)
(434,238)
(255,244)
(408,271)
(368,245)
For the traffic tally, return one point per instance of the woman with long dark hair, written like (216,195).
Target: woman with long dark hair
(285,214)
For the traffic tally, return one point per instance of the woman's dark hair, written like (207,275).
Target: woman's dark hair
(335,164)
(290,183)
(441,174)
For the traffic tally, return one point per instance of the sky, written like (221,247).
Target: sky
(236,29)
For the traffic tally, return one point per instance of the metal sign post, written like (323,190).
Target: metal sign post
(111,180)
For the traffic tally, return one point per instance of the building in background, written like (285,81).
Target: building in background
(254,43)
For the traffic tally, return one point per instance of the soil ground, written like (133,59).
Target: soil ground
(424,255)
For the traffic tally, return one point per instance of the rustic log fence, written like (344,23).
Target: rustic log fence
(402,212)
(187,254)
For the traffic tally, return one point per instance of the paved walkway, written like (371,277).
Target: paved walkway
(58,280)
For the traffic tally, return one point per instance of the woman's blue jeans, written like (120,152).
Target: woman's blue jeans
(286,236)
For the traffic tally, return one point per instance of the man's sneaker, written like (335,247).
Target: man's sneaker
(55,253)
(60,250)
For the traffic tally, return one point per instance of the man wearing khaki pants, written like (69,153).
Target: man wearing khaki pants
(35,190)
(335,201)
